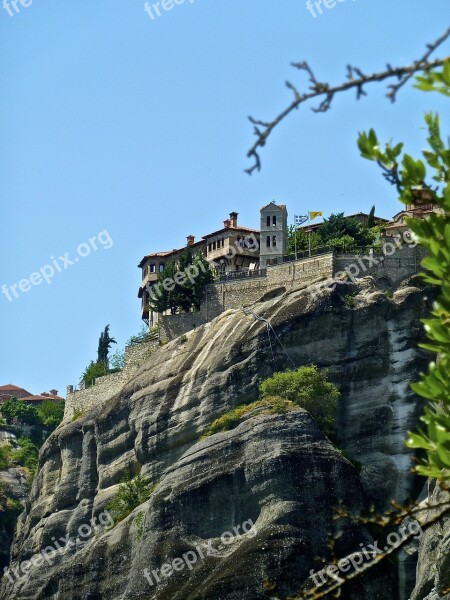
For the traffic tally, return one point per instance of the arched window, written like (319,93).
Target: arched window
(274,241)
(268,221)
(268,241)
(274,220)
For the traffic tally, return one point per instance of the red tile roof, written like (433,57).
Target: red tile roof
(231,228)
(13,388)
(41,398)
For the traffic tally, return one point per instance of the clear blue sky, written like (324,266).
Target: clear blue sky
(113,121)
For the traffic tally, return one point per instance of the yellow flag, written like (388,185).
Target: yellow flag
(313,215)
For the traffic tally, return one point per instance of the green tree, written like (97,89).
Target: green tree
(371,219)
(417,181)
(51,413)
(338,226)
(104,344)
(92,371)
(309,388)
(188,274)
(18,409)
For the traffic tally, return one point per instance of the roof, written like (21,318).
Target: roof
(231,228)
(32,398)
(273,204)
(12,388)
(157,255)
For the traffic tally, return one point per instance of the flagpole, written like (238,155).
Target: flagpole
(309,234)
(295,237)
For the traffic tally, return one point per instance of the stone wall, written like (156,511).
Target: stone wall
(84,399)
(389,270)
(244,292)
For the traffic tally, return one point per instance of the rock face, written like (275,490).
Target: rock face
(12,487)
(433,569)
(279,472)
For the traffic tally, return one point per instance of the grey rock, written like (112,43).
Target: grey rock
(278,471)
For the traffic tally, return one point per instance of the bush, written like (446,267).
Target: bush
(308,388)
(5,456)
(131,494)
(27,455)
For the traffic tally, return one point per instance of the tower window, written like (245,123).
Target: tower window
(268,241)
(268,221)
(274,220)
(274,241)
(153,268)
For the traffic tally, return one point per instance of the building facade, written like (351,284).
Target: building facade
(274,232)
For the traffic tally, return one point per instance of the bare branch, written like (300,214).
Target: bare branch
(356,79)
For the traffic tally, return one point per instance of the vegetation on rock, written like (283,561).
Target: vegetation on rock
(307,388)
(131,494)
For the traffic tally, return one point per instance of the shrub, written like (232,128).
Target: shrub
(309,388)
(5,456)
(131,494)
(27,455)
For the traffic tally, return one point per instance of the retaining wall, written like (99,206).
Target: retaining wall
(84,399)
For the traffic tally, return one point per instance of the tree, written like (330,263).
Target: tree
(309,388)
(341,230)
(414,185)
(18,409)
(51,413)
(371,219)
(188,275)
(104,344)
(92,371)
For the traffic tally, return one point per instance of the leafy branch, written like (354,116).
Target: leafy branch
(356,79)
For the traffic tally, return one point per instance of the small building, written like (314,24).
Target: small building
(13,391)
(231,248)
(421,208)
(274,232)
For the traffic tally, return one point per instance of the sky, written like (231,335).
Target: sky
(122,132)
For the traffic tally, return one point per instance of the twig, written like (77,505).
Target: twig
(356,80)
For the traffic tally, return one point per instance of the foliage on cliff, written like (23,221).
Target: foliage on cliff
(307,388)
(131,494)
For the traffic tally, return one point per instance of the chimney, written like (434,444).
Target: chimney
(190,240)
(54,392)
(233,219)
(227,223)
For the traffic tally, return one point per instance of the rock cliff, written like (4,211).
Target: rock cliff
(276,471)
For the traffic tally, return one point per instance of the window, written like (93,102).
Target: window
(161,267)
(153,268)
(268,241)
(214,245)
(274,220)
(274,241)
(223,242)
(268,221)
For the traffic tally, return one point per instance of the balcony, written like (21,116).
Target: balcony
(149,278)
